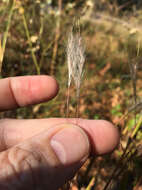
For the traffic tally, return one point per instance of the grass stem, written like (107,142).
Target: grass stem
(30,44)
(67,103)
(77,105)
(3,43)
(57,36)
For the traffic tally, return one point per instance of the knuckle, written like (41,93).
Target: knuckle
(18,169)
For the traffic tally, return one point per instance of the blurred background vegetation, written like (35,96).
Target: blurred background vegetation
(35,33)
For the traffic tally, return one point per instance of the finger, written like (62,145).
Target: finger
(45,161)
(27,90)
(103,135)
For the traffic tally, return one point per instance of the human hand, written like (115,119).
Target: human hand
(45,153)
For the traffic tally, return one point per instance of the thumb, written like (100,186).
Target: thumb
(44,161)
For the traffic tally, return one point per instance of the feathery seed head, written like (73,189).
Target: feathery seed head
(75,59)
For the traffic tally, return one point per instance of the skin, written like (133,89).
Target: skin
(45,153)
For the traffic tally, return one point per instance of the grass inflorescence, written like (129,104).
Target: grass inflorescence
(75,62)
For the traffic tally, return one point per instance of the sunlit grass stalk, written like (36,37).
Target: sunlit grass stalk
(67,103)
(91,183)
(57,37)
(5,36)
(77,106)
(30,44)
(75,62)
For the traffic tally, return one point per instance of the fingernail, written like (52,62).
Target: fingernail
(70,144)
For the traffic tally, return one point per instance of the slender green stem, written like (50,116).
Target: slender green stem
(3,46)
(8,25)
(30,44)
(41,26)
(44,52)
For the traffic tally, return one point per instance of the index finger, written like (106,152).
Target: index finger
(26,90)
